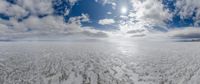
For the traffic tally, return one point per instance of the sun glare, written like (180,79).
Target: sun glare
(124,10)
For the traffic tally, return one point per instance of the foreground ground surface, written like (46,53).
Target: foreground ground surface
(100,62)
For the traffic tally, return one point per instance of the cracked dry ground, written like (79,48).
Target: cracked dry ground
(100,62)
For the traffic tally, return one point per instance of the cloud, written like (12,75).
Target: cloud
(48,25)
(185,33)
(72,2)
(150,11)
(109,13)
(12,9)
(147,15)
(106,21)
(37,7)
(35,26)
(4,29)
(189,8)
(95,34)
(78,19)
(138,35)
(110,2)
(136,31)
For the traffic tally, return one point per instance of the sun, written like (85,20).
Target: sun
(124,10)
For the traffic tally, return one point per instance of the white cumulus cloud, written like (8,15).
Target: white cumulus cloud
(150,11)
(12,9)
(185,33)
(35,26)
(106,21)
(187,8)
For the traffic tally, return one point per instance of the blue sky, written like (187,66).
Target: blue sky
(67,16)
(95,9)
(98,10)
(177,21)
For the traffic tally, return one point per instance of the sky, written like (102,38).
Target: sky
(98,18)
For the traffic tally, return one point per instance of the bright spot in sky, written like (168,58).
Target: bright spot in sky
(124,10)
